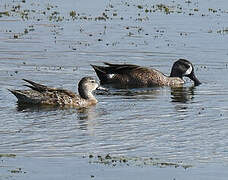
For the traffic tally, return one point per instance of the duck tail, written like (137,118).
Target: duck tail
(101,73)
(23,97)
(35,86)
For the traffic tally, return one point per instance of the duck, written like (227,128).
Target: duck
(39,94)
(135,76)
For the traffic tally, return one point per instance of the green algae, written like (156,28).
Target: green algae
(8,155)
(133,161)
(51,12)
(165,8)
(6,13)
(73,14)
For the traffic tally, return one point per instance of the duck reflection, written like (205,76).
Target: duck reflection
(83,116)
(87,117)
(35,108)
(182,94)
(134,93)
(86,113)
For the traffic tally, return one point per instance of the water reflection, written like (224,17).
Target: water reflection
(142,93)
(182,94)
(87,117)
(35,108)
(178,94)
(89,113)
(83,116)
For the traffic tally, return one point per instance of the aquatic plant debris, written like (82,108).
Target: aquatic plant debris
(53,17)
(17,170)
(7,155)
(132,161)
(27,10)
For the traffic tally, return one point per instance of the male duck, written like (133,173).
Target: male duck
(43,95)
(134,76)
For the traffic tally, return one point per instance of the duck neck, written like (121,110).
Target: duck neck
(175,74)
(86,94)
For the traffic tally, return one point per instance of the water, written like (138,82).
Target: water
(186,125)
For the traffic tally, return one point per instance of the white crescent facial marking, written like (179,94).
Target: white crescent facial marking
(110,76)
(188,71)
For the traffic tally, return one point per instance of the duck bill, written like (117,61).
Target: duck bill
(102,88)
(194,78)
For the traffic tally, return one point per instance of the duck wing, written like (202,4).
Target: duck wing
(120,68)
(65,92)
(37,87)
(42,88)
(114,68)
(105,72)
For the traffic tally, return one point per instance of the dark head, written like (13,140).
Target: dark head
(183,67)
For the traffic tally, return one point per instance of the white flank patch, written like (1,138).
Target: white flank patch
(188,71)
(110,76)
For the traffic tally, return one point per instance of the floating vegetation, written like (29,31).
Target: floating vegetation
(223,31)
(40,12)
(104,17)
(6,13)
(16,36)
(132,161)
(166,9)
(17,170)
(35,12)
(140,6)
(7,155)
(26,31)
(48,14)
(73,14)
(212,10)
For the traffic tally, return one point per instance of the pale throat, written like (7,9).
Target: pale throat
(90,95)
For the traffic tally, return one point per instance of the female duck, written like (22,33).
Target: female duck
(43,95)
(134,76)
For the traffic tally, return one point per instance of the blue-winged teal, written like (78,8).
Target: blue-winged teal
(43,95)
(134,76)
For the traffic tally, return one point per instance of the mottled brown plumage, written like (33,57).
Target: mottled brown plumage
(134,76)
(43,95)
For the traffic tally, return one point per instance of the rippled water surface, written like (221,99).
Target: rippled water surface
(55,42)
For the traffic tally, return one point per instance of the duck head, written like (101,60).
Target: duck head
(183,67)
(87,85)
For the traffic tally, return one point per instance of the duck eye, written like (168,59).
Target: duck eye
(92,81)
